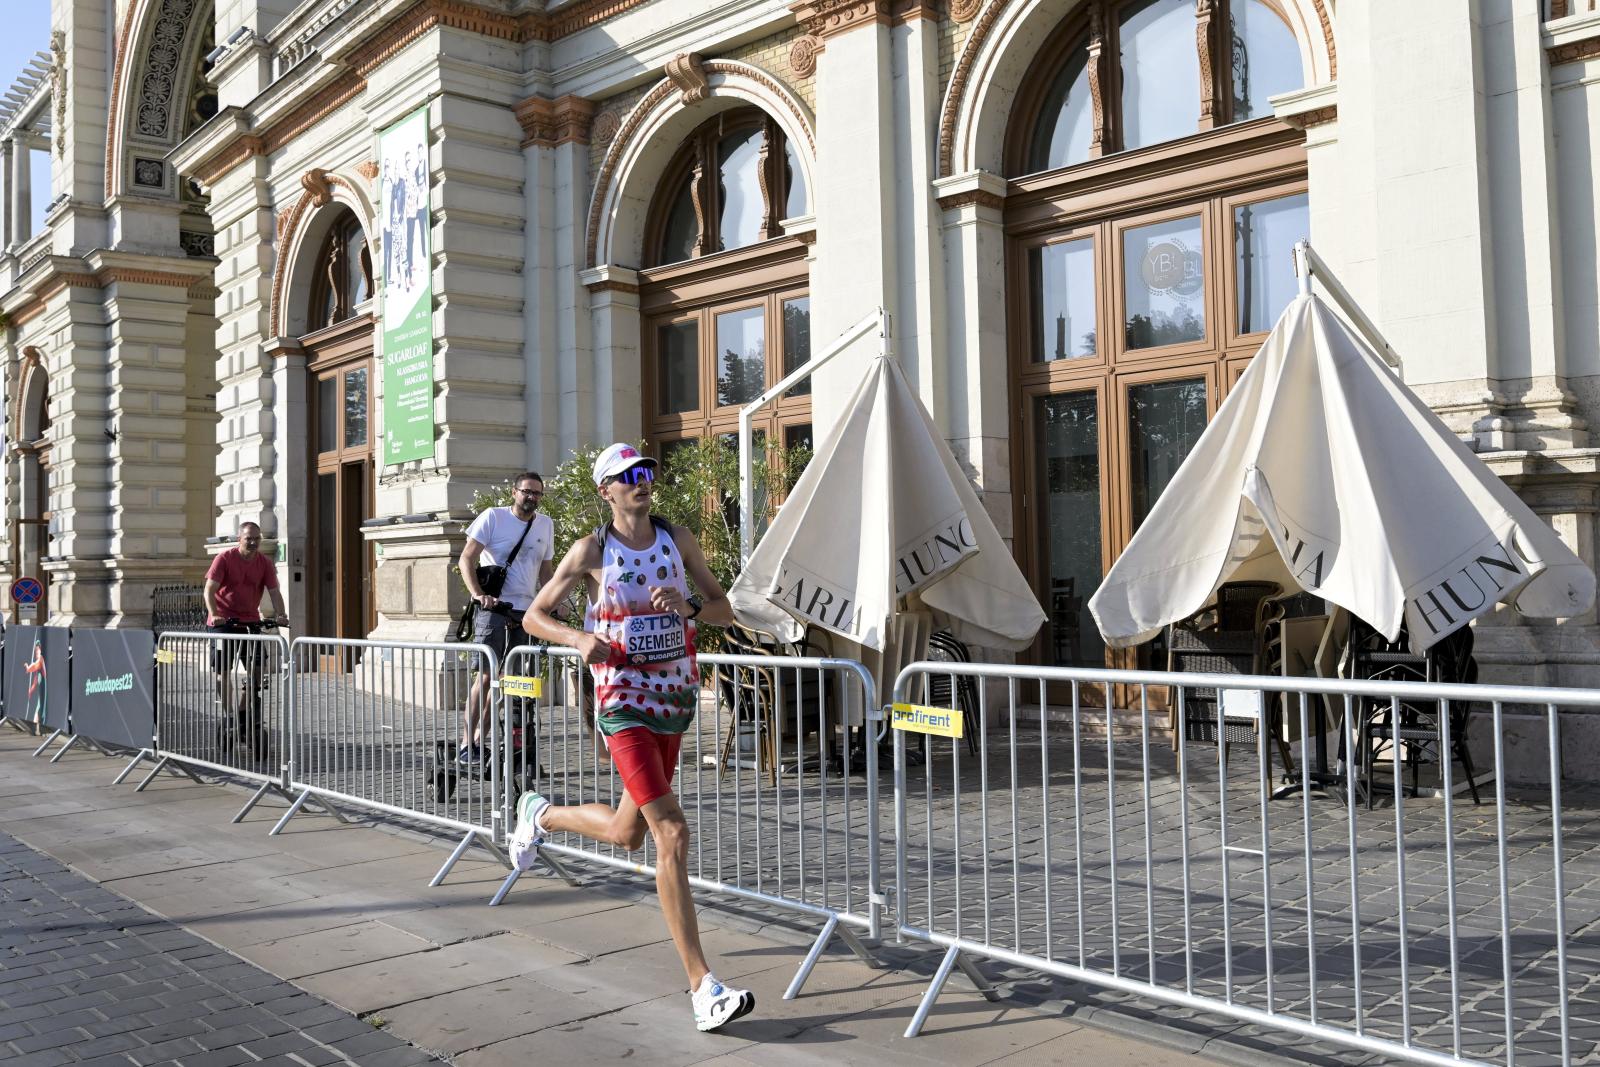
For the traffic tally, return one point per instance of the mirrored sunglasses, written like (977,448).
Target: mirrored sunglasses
(635,475)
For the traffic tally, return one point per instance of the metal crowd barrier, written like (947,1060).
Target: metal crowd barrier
(221,705)
(781,810)
(1425,931)
(376,724)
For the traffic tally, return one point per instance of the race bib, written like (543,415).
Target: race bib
(653,638)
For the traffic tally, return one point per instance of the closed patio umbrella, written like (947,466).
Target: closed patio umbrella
(1323,472)
(883,513)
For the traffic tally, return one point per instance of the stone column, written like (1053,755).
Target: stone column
(19,186)
(614,300)
(858,240)
(555,151)
(979,390)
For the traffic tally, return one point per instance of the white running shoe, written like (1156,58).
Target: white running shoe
(528,836)
(716,1004)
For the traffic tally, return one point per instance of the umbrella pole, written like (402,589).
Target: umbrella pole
(747,519)
(1307,263)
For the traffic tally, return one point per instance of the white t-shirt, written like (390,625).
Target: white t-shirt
(497,531)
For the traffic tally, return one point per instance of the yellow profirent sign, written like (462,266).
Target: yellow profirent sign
(166,655)
(520,685)
(918,718)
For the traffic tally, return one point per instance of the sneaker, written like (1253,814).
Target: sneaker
(527,837)
(716,1004)
(469,755)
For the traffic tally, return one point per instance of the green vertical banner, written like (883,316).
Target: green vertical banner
(407,291)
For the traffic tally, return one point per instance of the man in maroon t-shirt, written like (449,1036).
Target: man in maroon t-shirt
(233,606)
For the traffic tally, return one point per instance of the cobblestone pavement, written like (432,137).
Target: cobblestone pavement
(1156,878)
(87,976)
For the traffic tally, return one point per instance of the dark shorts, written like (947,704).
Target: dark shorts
(501,631)
(224,654)
(646,760)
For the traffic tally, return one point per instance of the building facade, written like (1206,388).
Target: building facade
(634,215)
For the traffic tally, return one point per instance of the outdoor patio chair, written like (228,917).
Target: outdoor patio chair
(757,698)
(1417,726)
(944,647)
(1234,649)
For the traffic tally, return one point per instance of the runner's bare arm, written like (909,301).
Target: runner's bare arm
(714,607)
(580,563)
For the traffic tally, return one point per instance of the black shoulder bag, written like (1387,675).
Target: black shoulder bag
(491,579)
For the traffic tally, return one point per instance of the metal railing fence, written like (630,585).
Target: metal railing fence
(1067,845)
(221,704)
(177,608)
(781,810)
(376,725)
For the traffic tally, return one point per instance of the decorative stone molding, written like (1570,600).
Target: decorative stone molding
(727,73)
(974,189)
(320,188)
(246,147)
(548,123)
(1574,51)
(368,169)
(605,127)
(67,274)
(1316,117)
(686,72)
(315,183)
(829,18)
(58,89)
(1205,12)
(610,280)
(31,363)
(803,52)
(965,10)
(989,18)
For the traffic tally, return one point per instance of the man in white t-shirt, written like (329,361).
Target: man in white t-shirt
(491,539)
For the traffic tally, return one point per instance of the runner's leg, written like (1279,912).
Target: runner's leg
(671,833)
(623,825)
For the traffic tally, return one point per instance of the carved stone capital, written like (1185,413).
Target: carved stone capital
(829,18)
(1320,116)
(684,70)
(548,123)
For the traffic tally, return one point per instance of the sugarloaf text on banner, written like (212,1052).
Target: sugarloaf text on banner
(407,291)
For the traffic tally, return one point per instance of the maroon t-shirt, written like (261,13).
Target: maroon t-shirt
(240,582)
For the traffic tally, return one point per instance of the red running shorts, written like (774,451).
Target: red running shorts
(646,760)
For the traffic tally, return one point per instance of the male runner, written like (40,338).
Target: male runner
(638,639)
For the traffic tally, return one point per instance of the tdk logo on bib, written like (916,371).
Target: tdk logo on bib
(653,638)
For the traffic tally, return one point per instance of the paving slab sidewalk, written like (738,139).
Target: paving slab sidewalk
(556,974)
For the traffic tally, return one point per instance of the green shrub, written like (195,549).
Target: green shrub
(698,488)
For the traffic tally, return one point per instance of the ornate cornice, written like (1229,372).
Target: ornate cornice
(1574,51)
(685,70)
(57,281)
(904,11)
(548,123)
(829,18)
(971,198)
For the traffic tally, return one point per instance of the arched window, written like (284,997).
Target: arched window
(1144,281)
(725,301)
(731,185)
(1143,59)
(344,273)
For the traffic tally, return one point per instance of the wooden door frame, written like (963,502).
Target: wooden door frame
(336,350)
